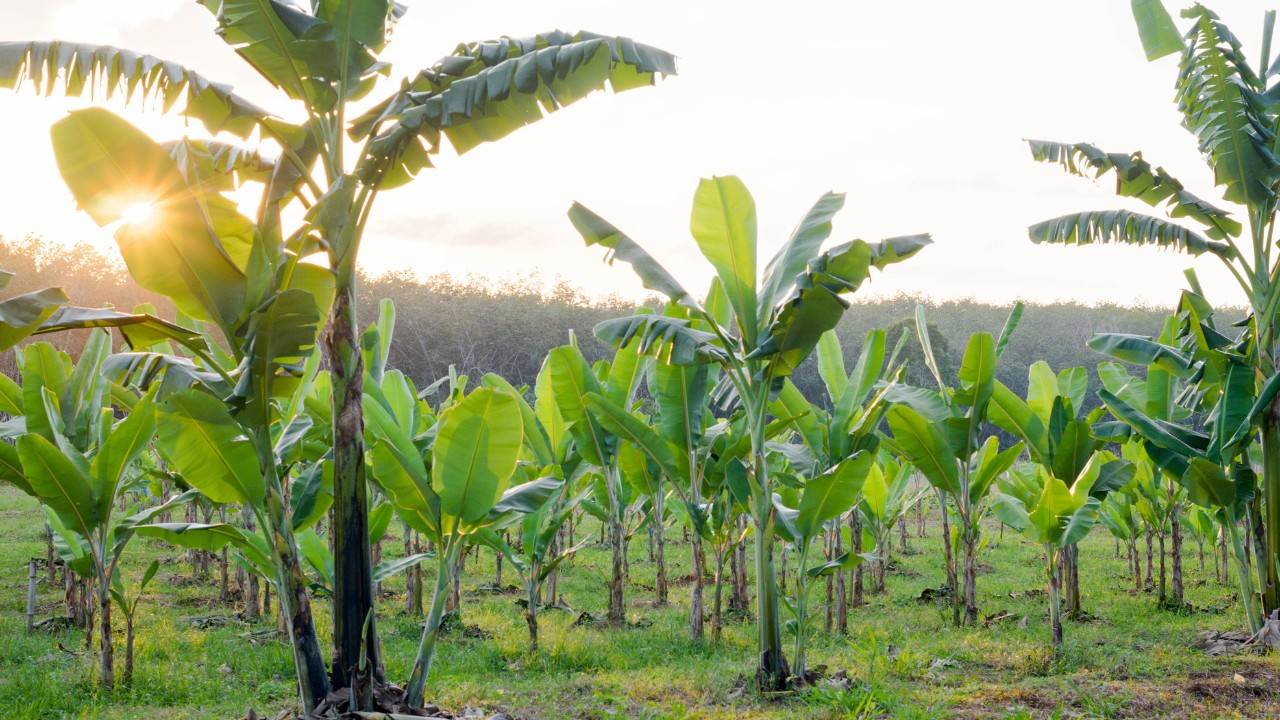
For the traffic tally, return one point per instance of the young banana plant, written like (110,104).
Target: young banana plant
(540,551)
(1058,502)
(127,596)
(1049,512)
(761,328)
(574,384)
(802,516)
(940,433)
(1122,520)
(888,494)
(453,489)
(78,461)
(1058,439)
(847,422)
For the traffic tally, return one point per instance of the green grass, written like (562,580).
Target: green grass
(903,657)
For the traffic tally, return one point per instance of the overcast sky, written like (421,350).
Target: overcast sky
(916,109)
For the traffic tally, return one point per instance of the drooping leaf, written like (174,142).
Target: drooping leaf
(668,339)
(484,91)
(1122,226)
(1136,178)
(22,315)
(595,230)
(103,72)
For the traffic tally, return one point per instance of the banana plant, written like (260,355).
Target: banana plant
(573,384)
(1123,521)
(540,551)
(848,419)
(1229,105)
(940,433)
(127,596)
(888,494)
(224,395)
(1053,514)
(1201,435)
(454,489)
(803,517)
(324,57)
(761,328)
(681,395)
(548,440)
(1060,438)
(77,460)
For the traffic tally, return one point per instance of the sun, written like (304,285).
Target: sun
(138,213)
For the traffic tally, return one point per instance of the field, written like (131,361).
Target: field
(903,657)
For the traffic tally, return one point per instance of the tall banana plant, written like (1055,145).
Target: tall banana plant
(762,326)
(224,396)
(324,56)
(1230,107)
(941,434)
(1201,434)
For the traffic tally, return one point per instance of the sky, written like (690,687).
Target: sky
(916,109)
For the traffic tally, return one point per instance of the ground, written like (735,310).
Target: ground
(904,658)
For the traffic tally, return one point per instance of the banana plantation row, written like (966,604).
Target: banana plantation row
(264,403)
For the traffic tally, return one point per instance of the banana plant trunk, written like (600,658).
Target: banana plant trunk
(855,536)
(431,631)
(1176,535)
(773,673)
(717,616)
(802,613)
(660,548)
(128,649)
(531,609)
(295,605)
(353,609)
(1055,603)
(617,577)
(970,577)
(695,594)
(948,553)
(1271,497)
(106,670)
(842,595)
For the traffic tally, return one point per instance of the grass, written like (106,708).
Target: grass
(903,657)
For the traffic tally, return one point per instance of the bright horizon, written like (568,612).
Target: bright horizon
(921,127)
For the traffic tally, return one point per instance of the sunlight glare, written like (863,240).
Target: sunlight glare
(138,213)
